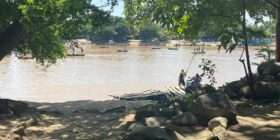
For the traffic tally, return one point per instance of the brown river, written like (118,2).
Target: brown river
(104,72)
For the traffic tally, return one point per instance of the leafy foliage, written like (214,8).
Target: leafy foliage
(104,34)
(148,32)
(209,89)
(115,29)
(266,53)
(208,70)
(122,31)
(47,22)
(190,18)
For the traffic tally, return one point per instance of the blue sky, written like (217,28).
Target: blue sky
(118,10)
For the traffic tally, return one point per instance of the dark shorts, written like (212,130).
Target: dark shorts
(182,82)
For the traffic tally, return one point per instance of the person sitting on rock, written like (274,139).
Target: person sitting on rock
(197,79)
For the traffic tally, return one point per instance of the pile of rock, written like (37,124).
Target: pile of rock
(13,108)
(153,122)
(19,132)
(267,84)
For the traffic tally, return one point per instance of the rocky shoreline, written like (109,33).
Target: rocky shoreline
(135,120)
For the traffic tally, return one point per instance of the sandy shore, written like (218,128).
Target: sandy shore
(95,120)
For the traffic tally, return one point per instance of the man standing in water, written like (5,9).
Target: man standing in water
(182,78)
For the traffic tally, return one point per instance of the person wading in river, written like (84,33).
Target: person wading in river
(182,78)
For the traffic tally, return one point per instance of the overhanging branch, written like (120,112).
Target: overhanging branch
(271,3)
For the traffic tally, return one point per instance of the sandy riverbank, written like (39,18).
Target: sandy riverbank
(95,120)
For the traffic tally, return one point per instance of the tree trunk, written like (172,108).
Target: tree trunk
(10,38)
(277,59)
(250,74)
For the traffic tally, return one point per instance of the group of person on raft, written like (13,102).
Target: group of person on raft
(74,45)
(190,84)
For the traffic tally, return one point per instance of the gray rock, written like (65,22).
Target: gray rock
(135,127)
(145,112)
(55,112)
(209,106)
(11,107)
(272,69)
(185,119)
(31,122)
(152,133)
(220,132)
(218,121)
(76,130)
(277,77)
(119,109)
(152,122)
(117,133)
(267,90)
(124,126)
(232,89)
(16,137)
(114,138)
(213,138)
(167,112)
(19,131)
(262,67)
(244,91)
(269,78)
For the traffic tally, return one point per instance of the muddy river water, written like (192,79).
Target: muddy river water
(104,72)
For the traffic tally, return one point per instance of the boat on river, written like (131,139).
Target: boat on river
(123,50)
(156,48)
(25,57)
(76,54)
(198,50)
(174,48)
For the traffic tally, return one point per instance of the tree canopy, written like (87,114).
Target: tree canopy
(191,17)
(114,29)
(39,26)
(225,19)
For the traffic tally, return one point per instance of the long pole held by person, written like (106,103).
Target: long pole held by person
(190,64)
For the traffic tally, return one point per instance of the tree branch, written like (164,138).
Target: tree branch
(10,38)
(225,16)
(271,3)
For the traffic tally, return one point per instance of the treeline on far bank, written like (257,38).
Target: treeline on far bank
(118,30)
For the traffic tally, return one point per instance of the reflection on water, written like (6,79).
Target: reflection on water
(104,72)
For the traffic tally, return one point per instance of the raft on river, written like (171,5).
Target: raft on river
(76,54)
(25,57)
(172,48)
(122,50)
